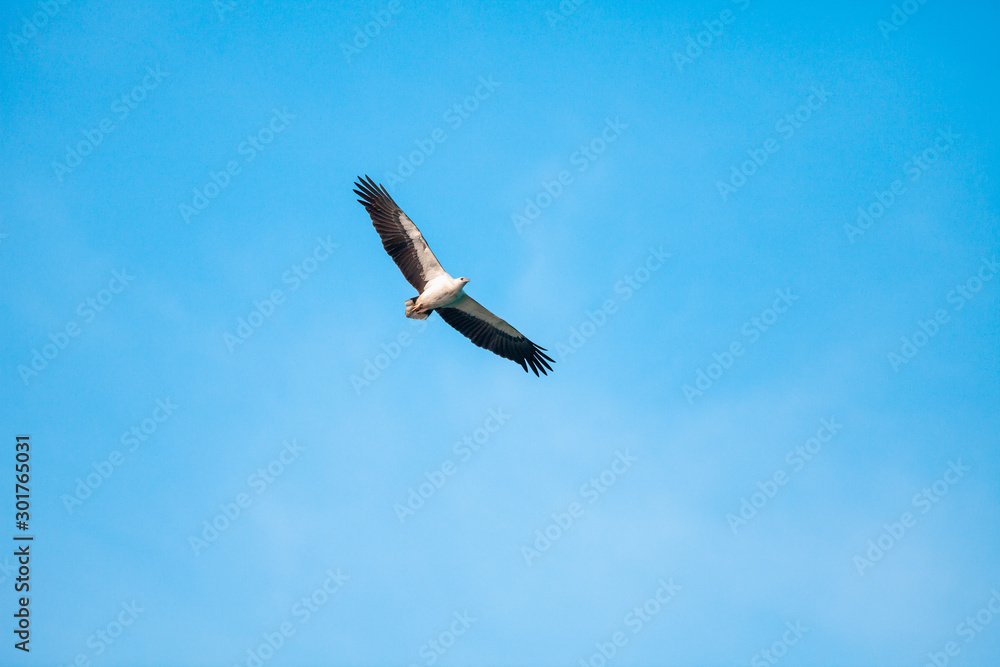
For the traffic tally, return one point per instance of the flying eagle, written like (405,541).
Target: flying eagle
(439,292)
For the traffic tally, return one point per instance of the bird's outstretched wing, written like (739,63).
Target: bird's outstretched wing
(400,237)
(490,332)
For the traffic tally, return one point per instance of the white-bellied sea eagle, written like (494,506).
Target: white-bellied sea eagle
(439,292)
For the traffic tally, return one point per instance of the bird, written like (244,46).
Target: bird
(438,291)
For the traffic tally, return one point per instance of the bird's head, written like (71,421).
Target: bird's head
(463,280)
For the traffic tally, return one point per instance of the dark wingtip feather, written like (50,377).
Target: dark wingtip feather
(540,358)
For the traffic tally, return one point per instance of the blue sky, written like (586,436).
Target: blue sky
(760,240)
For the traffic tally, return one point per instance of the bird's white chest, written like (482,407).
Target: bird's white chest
(440,292)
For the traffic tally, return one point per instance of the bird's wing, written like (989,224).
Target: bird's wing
(490,332)
(400,237)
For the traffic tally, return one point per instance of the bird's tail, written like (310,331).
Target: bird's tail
(411,310)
